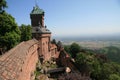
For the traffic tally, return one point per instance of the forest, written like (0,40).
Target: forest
(100,64)
(112,52)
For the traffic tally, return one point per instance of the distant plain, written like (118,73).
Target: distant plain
(92,42)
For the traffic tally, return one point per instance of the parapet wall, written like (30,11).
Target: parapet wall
(20,62)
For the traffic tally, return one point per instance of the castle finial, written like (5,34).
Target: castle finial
(35,2)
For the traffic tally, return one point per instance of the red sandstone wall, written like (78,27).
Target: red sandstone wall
(45,46)
(19,63)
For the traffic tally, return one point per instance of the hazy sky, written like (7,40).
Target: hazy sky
(72,17)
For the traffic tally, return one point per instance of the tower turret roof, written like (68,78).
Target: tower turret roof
(37,10)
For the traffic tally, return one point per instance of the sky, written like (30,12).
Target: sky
(71,17)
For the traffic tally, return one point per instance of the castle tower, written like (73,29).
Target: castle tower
(37,17)
(39,30)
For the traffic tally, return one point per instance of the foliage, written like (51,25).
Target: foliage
(113,53)
(3,4)
(74,49)
(114,77)
(9,31)
(37,73)
(59,45)
(91,64)
(26,33)
(67,48)
(71,76)
(81,58)
(53,41)
(84,62)
(97,65)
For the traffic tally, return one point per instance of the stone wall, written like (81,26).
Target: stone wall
(20,62)
(44,44)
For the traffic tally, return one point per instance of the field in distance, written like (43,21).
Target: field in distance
(92,42)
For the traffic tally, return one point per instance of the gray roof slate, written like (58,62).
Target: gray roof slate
(40,30)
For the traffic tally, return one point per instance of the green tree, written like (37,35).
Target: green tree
(67,48)
(114,77)
(26,33)
(112,52)
(98,69)
(9,31)
(81,58)
(53,41)
(84,62)
(3,4)
(74,49)
(59,45)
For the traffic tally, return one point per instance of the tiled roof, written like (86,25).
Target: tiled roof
(37,10)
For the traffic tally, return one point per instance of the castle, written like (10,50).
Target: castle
(42,34)
(19,63)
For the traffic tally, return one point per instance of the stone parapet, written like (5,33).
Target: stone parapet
(19,63)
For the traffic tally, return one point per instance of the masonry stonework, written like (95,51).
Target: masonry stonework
(42,34)
(19,63)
